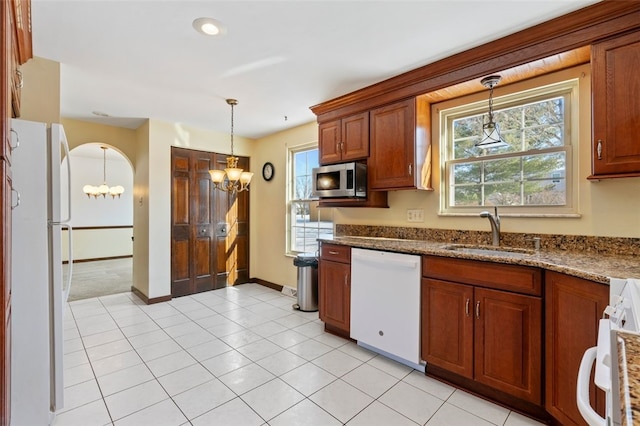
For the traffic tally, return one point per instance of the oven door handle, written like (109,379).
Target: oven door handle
(582,391)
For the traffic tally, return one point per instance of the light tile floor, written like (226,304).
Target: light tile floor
(241,356)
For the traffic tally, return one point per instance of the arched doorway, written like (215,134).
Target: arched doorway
(102,225)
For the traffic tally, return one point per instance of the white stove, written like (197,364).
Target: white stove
(623,313)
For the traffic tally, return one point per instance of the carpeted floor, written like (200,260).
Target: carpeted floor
(100,278)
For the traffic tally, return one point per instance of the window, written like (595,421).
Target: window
(307,222)
(531,174)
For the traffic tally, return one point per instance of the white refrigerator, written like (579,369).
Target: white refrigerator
(39,294)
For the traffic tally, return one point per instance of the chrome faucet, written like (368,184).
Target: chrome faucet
(494,219)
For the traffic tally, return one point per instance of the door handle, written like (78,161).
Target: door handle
(478,309)
(466,307)
(12,146)
(13,206)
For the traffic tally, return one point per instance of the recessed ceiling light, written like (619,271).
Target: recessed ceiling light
(209,26)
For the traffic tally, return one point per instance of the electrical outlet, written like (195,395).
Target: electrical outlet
(415,215)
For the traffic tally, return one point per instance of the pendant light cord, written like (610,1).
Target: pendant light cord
(104,165)
(232,129)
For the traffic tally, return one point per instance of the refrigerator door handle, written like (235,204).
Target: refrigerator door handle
(67,288)
(67,157)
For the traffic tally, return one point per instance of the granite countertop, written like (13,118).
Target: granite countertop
(629,376)
(587,265)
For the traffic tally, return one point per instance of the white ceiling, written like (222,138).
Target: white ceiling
(143,59)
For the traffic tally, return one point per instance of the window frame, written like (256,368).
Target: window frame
(290,195)
(568,87)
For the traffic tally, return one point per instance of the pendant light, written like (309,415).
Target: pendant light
(232,178)
(104,189)
(490,130)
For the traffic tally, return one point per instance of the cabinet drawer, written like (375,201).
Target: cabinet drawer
(520,279)
(335,253)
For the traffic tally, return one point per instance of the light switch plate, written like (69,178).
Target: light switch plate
(415,215)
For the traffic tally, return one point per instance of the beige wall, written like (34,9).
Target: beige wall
(122,140)
(114,242)
(268,212)
(141,232)
(40,99)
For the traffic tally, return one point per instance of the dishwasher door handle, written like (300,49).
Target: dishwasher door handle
(376,260)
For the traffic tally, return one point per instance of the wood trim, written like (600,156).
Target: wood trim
(265,283)
(148,301)
(84,228)
(97,259)
(571,31)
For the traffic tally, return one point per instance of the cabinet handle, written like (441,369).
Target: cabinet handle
(342,147)
(478,309)
(20,84)
(466,307)
(333,252)
(599,149)
(409,169)
(346,280)
(12,146)
(13,206)
(337,146)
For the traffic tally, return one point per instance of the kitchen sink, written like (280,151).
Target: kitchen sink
(489,250)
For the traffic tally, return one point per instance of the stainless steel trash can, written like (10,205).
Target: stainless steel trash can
(307,264)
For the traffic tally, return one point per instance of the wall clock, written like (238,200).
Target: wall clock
(267,171)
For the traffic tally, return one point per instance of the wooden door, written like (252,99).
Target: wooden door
(334,286)
(329,138)
(355,137)
(447,326)
(192,250)
(231,232)
(616,106)
(508,346)
(392,146)
(573,308)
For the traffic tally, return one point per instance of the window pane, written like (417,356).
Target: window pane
(465,196)
(545,192)
(503,170)
(303,163)
(307,226)
(502,194)
(466,133)
(467,173)
(544,166)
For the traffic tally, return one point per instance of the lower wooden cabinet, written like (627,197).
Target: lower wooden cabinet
(334,288)
(490,336)
(573,308)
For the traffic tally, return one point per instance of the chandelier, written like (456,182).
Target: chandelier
(491,131)
(104,189)
(231,179)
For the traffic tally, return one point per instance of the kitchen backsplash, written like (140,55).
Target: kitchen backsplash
(583,243)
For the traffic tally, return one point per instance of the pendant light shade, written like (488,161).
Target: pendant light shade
(490,130)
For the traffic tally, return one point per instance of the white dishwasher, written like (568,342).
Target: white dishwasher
(385,304)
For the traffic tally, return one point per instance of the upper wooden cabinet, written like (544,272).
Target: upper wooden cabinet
(346,139)
(616,107)
(399,144)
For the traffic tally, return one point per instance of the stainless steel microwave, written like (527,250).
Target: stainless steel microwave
(340,180)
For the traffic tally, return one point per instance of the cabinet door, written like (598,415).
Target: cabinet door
(616,106)
(329,138)
(335,294)
(355,137)
(447,326)
(508,347)
(393,146)
(573,308)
